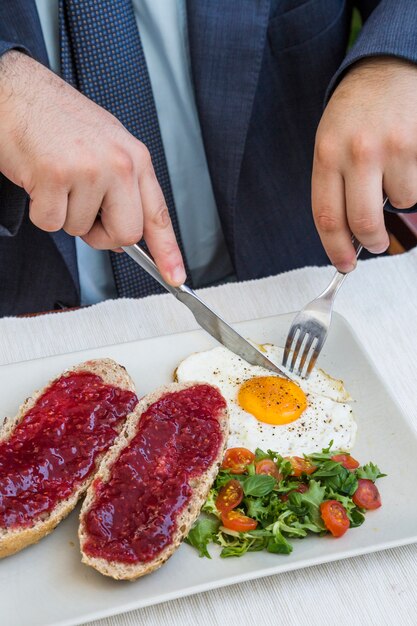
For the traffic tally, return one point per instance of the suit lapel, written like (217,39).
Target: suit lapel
(227,41)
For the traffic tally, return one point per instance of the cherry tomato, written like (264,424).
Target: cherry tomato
(302,488)
(334,517)
(367,495)
(239,522)
(229,496)
(346,460)
(236,459)
(267,466)
(301,466)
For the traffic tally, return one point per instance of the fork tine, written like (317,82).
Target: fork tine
(314,356)
(300,340)
(288,343)
(307,347)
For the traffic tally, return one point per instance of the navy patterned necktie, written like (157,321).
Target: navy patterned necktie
(102,56)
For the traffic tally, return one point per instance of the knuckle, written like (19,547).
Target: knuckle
(364,225)
(76,231)
(326,151)
(326,221)
(126,236)
(362,148)
(48,220)
(170,250)
(57,173)
(122,164)
(403,200)
(399,142)
(132,237)
(160,218)
(143,155)
(90,171)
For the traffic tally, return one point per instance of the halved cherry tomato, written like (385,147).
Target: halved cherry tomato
(346,460)
(300,466)
(239,522)
(367,495)
(236,459)
(229,496)
(302,488)
(334,517)
(268,467)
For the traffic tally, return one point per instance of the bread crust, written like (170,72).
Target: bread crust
(12,541)
(200,488)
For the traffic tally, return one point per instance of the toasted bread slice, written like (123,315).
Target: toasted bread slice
(13,540)
(200,486)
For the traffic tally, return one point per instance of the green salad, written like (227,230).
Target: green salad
(261,500)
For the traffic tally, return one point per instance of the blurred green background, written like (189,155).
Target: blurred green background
(355,27)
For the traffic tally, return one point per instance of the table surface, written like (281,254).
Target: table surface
(380,301)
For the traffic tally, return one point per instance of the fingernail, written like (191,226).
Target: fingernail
(178,275)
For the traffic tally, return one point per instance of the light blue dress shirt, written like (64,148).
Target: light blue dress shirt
(163,29)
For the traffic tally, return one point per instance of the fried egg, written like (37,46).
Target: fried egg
(270,412)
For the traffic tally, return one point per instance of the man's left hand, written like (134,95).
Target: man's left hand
(366,145)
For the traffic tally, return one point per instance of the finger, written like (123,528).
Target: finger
(400,184)
(158,231)
(329,213)
(364,208)
(120,221)
(84,202)
(48,207)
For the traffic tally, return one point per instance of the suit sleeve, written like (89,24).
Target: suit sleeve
(13,199)
(389,30)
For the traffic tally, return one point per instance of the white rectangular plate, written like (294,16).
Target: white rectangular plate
(46,584)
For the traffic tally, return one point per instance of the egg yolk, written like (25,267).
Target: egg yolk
(272,400)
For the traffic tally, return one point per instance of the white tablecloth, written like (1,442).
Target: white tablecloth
(380,302)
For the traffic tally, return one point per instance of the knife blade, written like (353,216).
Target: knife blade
(205,316)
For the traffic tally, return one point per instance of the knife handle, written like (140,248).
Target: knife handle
(146,262)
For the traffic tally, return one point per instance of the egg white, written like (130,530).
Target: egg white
(327,417)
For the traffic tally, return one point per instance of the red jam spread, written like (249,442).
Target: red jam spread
(133,517)
(54,448)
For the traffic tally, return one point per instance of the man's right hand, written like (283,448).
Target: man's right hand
(74,159)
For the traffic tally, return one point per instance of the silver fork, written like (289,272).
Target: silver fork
(310,327)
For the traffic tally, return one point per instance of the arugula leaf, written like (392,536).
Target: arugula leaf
(202,533)
(284,486)
(328,468)
(327,450)
(369,471)
(209,505)
(279,545)
(281,526)
(239,549)
(345,482)
(238,545)
(311,499)
(223,477)
(251,469)
(356,518)
(324,455)
(260,455)
(256,508)
(284,466)
(258,485)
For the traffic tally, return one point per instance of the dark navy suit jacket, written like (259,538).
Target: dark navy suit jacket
(261,70)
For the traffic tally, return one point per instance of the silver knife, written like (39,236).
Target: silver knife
(206,317)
